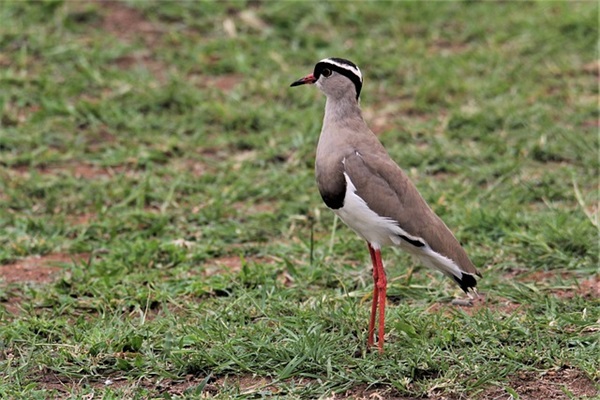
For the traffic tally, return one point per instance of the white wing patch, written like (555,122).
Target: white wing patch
(381,231)
(377,230)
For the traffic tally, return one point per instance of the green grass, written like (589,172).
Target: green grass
(128,128)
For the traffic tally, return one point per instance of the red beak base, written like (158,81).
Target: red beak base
(308,79)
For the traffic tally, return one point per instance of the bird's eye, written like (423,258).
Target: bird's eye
(326,72)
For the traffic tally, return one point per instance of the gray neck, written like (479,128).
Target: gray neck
(342,110)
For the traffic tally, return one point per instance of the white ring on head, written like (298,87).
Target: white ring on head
(354,70)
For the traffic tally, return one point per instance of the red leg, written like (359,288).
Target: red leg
(371,333)
(381,286)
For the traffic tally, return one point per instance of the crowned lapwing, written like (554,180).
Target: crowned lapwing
(359,181)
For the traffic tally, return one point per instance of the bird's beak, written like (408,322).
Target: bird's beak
(303,81)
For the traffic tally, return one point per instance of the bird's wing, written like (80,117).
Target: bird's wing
(388,191)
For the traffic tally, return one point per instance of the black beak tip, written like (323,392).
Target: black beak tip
(308,79)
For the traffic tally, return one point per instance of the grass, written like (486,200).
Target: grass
(157,150)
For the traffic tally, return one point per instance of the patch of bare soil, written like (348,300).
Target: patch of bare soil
(96,140)
(37,269)
(247,383)
(225,83)
(588,288)
(14,115)
(362,393)
(230,264)
(250,384)
(146,60)
(592,68)
(194,167)
(523,275)
(12,305)
(383,117)
(65,386)
(76,169)
(471,307)
(254,208)
(592,123)
(445,47)
(128,23)
(33,269)
(549,385)
(81,219)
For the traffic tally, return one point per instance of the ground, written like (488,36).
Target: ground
(162,237)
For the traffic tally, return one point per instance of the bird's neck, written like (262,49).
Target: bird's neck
(343,128)
(341,110)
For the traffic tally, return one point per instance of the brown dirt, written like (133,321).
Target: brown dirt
(591,123)
(158,69)
(78,170)
(522,275)
(49,380)
(37,269)
(96,140)
(230,264)
(592,68)
(383,117)
(12,305)
(589,288)
(127,23)
(64,385)
(445,47)
(547,385)
(15,115)
(529,385)
(33,269)
(250,384)
(194,167)
(362,393)
(225,83)
(254,208)
(81,170)
(81,219)
(499,304)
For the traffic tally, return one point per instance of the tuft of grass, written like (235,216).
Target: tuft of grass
(158,148)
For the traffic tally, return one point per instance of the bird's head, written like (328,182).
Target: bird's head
(336,77)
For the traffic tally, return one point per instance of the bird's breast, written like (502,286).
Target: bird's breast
(331,183)
(374,228)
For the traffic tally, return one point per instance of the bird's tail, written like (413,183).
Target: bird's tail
(465,280)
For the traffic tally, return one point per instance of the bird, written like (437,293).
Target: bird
(372,195)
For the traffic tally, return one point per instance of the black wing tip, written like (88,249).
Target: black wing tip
(466,282)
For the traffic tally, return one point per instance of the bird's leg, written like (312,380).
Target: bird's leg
(371,333)
(381,286)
